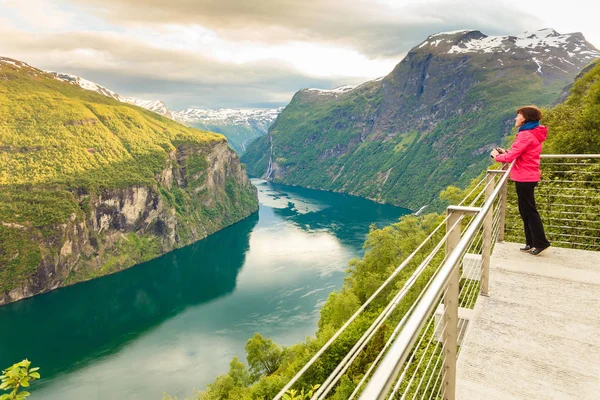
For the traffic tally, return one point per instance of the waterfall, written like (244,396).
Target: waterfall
(269,173)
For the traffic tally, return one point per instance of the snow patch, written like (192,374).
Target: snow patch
(539,64)
(451,32)
(341,89)
(544,38)
(11,62)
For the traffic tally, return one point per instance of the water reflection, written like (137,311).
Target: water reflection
(98,317)
(347,217)
(174,323)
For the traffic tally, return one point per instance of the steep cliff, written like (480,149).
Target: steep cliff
(429,123)
(90,186)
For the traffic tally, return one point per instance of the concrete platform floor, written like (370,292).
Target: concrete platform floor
(537,335)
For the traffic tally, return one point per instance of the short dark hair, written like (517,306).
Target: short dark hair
(531,113)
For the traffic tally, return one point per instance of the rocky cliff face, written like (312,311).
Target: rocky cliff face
(429,123)
(115,229)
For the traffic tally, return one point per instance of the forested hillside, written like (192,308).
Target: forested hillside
(90,185)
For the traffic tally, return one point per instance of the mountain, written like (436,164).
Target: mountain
(240,126)
(156,106)
(90,185)
(429,123)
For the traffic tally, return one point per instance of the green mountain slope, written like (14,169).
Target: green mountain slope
(90,185)
(576,122)
(431,122)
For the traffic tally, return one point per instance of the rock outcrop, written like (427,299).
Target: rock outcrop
(118,228)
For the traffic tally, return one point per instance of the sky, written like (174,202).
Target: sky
(252,53)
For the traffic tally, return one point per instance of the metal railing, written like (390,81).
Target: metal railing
(568,200)
(447,273)
(421,362)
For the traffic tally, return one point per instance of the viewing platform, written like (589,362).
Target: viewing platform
(489,322)
(537,335)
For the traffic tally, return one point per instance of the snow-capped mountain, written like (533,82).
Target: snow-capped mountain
(153,105)
(229,116)
(336,91)
(240,126)
(85,84)
(156,106)
(552,53)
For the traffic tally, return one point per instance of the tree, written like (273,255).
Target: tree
(15,377)
(239,373)
(264,356)
(338,309)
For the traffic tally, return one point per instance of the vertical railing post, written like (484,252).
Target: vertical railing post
(486,248)
(450,318)
(502,212)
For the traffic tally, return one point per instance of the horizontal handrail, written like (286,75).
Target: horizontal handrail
(385,374)
(570,156)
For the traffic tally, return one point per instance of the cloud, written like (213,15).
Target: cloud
(375,28)
(40,15)
(227,53)
(180,78)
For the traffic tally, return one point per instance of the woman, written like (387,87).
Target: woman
(526,151)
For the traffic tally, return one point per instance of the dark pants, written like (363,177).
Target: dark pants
(532,222)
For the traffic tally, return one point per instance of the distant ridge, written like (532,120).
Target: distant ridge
(156,106)
(240,126)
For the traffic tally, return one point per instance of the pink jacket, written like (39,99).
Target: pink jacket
(526,150)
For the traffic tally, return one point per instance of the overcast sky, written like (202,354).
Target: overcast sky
(252,53)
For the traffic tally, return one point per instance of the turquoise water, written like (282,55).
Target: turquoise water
(173,324)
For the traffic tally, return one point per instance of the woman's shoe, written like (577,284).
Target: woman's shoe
(537,250)
(526,248)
